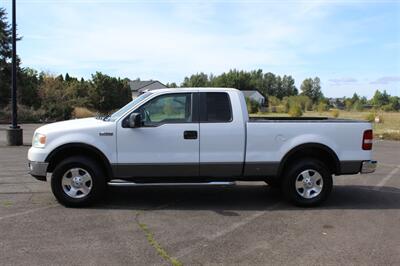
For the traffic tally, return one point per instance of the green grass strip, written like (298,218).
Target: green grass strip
(160,250)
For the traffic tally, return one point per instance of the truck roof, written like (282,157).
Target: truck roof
(202,89)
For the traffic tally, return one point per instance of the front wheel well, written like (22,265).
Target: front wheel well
(313,150)
(78,149)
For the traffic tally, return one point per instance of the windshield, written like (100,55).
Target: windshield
(127,107)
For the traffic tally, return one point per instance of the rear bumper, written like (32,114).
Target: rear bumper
(38,170)
(368,167)
(355,167)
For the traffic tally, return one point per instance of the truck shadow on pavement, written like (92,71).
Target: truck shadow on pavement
(225,199)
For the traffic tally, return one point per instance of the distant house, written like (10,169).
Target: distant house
(139,86)
(255,95)
(337,103)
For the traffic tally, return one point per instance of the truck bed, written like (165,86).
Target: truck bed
(311,119)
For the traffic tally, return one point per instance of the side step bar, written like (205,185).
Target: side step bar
(123,183)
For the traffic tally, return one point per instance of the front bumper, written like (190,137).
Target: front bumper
(368,167)
(38,170)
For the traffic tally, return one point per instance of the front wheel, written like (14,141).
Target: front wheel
(77,181)
(307,183)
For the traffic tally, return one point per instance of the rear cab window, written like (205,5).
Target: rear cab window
(215,107)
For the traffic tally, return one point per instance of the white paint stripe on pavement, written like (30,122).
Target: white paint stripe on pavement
(235,226)
(387,178)
(25,212)
(223,232)
(388,164)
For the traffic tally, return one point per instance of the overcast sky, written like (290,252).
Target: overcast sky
(353,46)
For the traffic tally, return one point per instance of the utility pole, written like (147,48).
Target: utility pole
(14,133)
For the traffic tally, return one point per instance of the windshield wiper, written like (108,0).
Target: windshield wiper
(102,117)
(106,117)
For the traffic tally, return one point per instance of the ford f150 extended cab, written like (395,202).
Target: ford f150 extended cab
(198,135)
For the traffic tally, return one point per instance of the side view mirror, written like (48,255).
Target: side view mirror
(135,120)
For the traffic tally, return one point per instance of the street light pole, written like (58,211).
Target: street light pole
(14,133)
(14,68)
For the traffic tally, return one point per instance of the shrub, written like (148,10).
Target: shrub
(25,114)
(322,107)
(370,117)
(280,109)
(295,110)
(252,106)
(388,108)
(55,112)
(358,106)
(390,135)
(335,113)
(82,112)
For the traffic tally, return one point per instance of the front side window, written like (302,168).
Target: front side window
(169,108)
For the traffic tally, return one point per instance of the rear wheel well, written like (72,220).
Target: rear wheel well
(79,149)
(317,151)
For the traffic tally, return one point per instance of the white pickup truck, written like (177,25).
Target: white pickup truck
(196,135)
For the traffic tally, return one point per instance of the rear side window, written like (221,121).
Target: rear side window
(215,107)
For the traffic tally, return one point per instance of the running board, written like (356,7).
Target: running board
(123,183)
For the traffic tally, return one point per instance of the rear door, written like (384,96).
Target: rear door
(222,135)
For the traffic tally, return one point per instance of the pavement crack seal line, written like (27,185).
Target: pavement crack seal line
(151,239)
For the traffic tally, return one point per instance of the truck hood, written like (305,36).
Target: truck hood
(73,125)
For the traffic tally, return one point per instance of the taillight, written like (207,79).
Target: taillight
(367,140)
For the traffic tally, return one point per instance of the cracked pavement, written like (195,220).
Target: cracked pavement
(245,224)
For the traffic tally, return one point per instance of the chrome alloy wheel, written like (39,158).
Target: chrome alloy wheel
(309,184)
(77,183)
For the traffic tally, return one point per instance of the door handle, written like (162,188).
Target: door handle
(190,134)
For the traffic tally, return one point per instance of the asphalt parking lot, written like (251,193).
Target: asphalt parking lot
(245,224)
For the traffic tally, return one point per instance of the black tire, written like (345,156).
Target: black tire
(97,182)
(310,167)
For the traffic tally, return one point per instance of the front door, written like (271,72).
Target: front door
(168,142)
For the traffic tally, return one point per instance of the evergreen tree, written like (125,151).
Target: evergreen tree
(5,56)
(312,89)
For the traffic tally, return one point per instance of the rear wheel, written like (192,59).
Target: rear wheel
(307,182)
(77,181)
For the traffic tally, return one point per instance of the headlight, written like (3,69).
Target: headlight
(39,140)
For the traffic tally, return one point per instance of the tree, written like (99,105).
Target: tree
(288,87)
(257,80)
(5,56)
(54,99)
(108,93)
(197,80)
(269,84)
(379,99)
(394,101)
(171,85)
(355,98)
(28,89)
(312,88)
(277,88)
(240,80)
